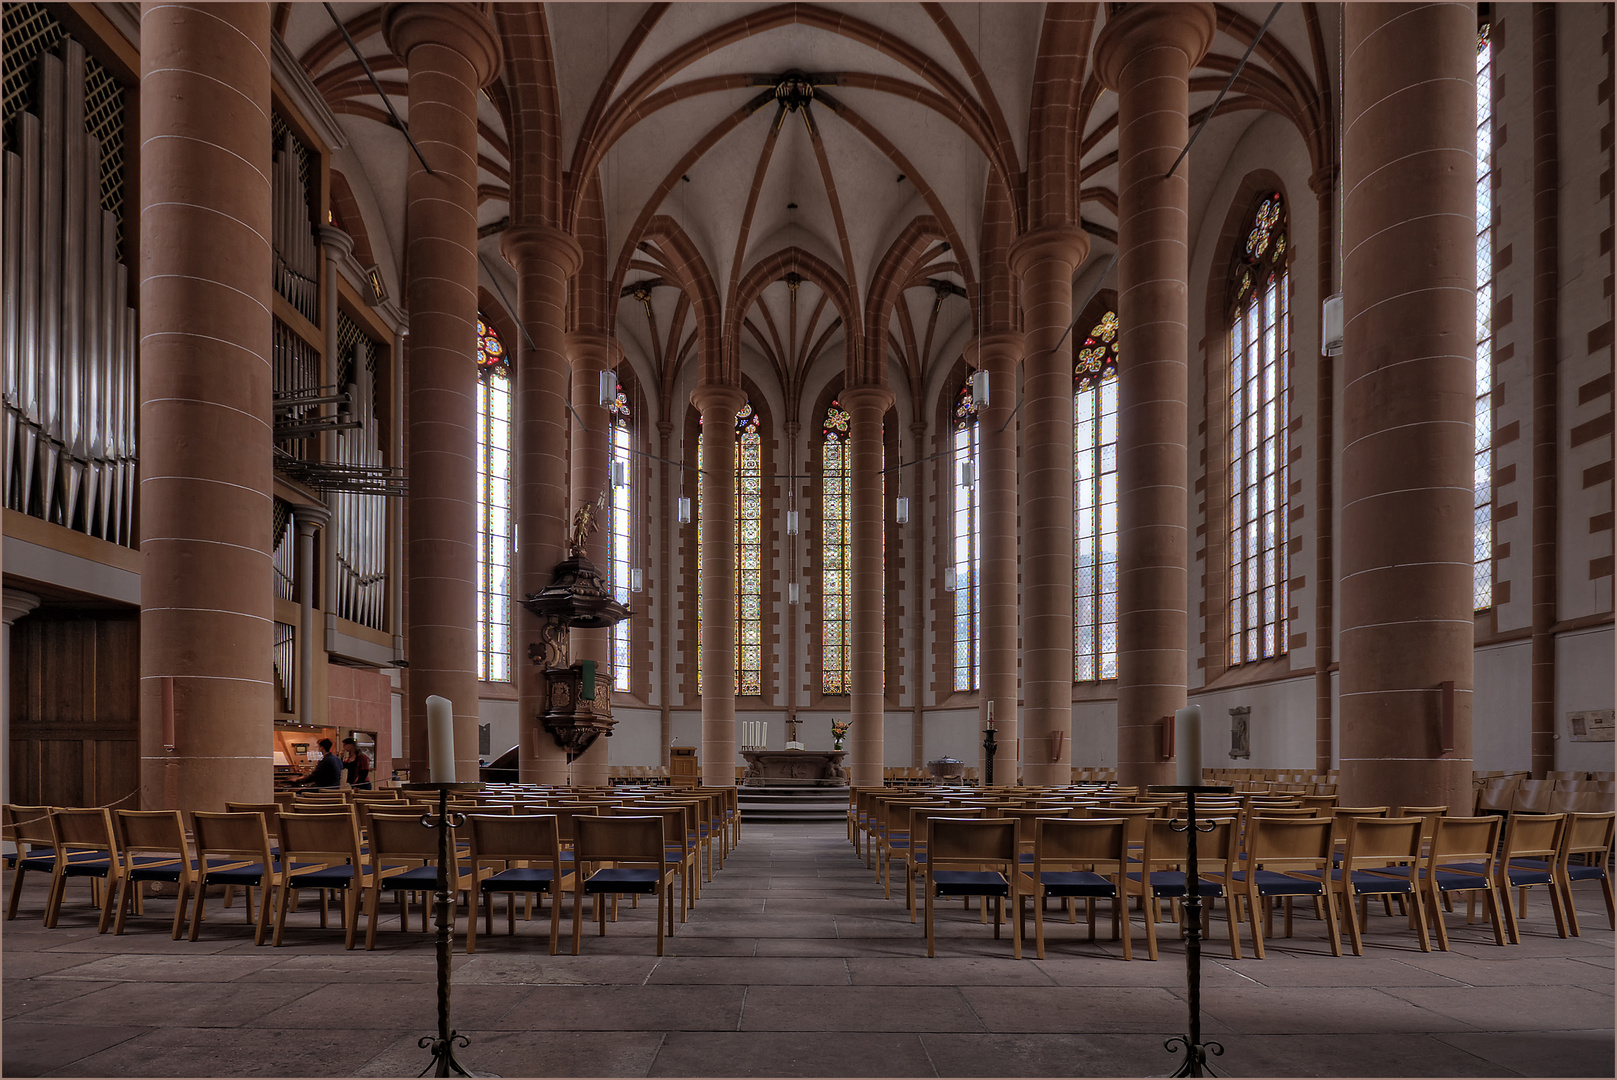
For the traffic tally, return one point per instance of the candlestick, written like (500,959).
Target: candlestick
(440,740)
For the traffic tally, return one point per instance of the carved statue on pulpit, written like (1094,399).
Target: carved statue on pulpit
(585,523)
(553,646)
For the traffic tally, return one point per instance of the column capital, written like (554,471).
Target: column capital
(727,400)
(1186,27)
(866,397)
(998,350)
(593,349)
(464,28)
(1066,243)
(1323,181)
(521,243)
(336,243)
(309,517)
(17,604)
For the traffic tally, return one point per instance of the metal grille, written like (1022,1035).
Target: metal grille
(349,334)
(279,129)
(29,32)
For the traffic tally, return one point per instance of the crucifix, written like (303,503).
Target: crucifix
(791,727)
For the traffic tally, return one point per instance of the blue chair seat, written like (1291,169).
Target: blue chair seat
(1076,883)
(96,866)
(1274,883)
(1581,872)
(1171,883)
(1523,872)
(970,883)
(327,877)
(519,879)
(416,877)
(623,879)
(900,845)
(251,874)
(1376,881)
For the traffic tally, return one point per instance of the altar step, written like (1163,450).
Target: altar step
(786,802)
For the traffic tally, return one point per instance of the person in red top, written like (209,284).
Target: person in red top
(357,764)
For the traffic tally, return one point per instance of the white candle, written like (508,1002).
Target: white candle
(990,712)
(1187,740)
(440,740)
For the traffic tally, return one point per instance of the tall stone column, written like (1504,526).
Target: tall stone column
(1044,261)
(1146,55)
(544,258)
(718,406)
(207,599)
(1409,282)
(16,604)
(998,354)
(592,353)
(866,406)
(450,51)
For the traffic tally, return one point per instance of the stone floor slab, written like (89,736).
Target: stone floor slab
(1542,1053)
(156,1004)
(625,1008)
(857,1008)
(529,1053)
(33,1049)
(751,971)
(776,1053)
(327,1050)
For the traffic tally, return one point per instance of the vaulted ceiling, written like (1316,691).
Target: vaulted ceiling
(808,179)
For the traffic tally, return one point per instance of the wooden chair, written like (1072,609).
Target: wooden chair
(404,857)
(86,847)
(634,846)
(321,851)
(1532,797)
(915,853)
(681,849)
(1077,858)
(152,843)
(29,828)
(1586,843)
(1496,794)
(1287,857)
(955,844)
(1161,872)
(512,854)
(1532,844)
(233,849)
(1375,843)
(1462,859)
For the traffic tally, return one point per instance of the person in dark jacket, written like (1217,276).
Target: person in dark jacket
(327,774)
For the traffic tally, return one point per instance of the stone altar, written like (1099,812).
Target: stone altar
(810,768)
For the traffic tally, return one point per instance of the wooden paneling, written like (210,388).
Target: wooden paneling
(75,714)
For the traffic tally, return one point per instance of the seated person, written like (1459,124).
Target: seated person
(327,774)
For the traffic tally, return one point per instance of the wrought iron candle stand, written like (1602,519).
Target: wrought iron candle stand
(989,747)
(1196,1051)
(443,1061)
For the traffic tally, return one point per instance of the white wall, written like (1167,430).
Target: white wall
(637,739)
(1281,729)
(1501,724)
(500,714)
(1584,677)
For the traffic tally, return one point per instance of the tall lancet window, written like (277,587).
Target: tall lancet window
(493,507)
(749,488)
(966,555)
(1259,325)
(836,552)
(619,557)
(1094,473)
(1482,474)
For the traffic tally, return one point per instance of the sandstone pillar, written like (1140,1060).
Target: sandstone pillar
(208,605)
(450,51)
(544,258)
(1409,222)
(718,406)
(867,621)
(591,354)
(998,354)
(1146,55)
(1045,261)
(16,604)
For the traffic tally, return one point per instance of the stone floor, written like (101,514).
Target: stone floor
(794,965)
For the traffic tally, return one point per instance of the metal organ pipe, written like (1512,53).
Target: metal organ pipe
(69,332)
(296,261)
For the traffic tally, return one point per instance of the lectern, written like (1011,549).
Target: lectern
(683,768)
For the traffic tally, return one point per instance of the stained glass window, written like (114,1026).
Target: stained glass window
(968,540)
(836,552)
(1094,471)
(1482,465)
(1257,440)
(749,555)
(493,507)
(619,558)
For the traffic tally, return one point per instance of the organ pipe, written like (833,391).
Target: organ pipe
(68,385)
(361,519)
(296,259)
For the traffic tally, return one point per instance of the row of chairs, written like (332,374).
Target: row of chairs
(1517,795)
(354,843)
(1575,854)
